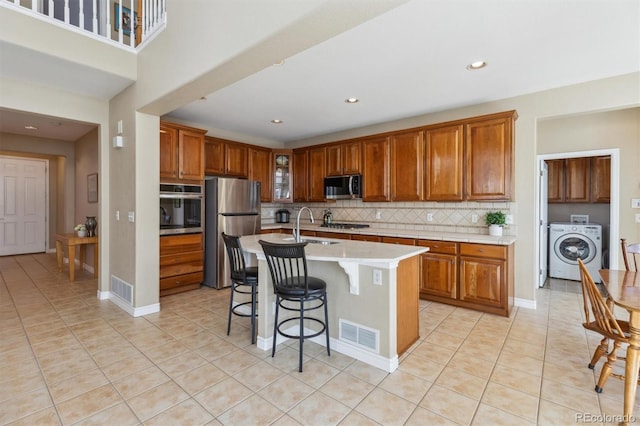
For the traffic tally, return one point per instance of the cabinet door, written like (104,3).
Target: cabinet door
(577,173)
(444,160)
(334,160)
(489,162)
(283,179)
(260,170)
(317,172)
(351,158)
(168,152)
(191,155)
(438,275)
(214,156)
(555,185)
(300,176)
(601,179)
(236,160)
(482,281)
(407,163)
(375,169)
(399,240)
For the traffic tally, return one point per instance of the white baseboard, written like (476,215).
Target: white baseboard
(524,303)
(122,304)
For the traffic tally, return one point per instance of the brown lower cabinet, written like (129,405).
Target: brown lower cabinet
(438,269)
(181,263)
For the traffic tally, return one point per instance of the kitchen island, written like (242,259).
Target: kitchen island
(372,291)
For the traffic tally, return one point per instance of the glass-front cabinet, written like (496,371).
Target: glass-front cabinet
(283,179)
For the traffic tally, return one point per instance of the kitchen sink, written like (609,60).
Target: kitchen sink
(312,241)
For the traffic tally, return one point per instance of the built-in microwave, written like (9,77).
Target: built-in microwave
(181,208)
(341,187)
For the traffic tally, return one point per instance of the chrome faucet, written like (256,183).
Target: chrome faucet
(296,230)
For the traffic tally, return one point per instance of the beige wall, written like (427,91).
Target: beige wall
(86,154)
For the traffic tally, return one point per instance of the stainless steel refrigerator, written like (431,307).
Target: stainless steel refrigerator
(232,206)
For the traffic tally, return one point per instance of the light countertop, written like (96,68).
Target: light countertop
(404,233)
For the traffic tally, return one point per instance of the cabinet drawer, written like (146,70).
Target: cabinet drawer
(483,250)
(363,237)
(181,280)
(443,247)
(173,244)
(181,264)
(336,235)
(399,240)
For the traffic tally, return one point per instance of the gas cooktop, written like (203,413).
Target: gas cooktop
(344,225)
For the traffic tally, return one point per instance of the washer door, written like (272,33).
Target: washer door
(571,247)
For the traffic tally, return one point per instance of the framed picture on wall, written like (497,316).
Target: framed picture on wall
(92,188)
(126,20)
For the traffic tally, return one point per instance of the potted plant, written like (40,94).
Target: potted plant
(496,221)
(81,230)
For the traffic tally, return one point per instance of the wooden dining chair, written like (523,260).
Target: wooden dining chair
(599,317)
(630,251)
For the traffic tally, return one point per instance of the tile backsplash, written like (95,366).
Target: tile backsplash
(446,216)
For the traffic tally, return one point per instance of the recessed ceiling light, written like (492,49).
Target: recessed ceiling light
(30,127)
(352,100)
(476,65)
(276,121)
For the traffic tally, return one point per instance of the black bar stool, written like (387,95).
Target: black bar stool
(244,280)
(295,291)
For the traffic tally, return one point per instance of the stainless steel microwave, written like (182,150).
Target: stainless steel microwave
(343,187)
(181,208)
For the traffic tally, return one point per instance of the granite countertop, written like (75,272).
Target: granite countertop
(504,240)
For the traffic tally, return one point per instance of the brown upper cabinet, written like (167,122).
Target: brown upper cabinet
(444,163)
(317,172)
(226,158)
(489,157)
(283,177)
(343,158)
(407,166)
(301,174)
(375,169)
(260,170)
(181,152)
(579,180)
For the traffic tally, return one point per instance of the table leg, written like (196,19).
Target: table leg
(83,251)
(95,260)
(59,254)
(72,262)
(631,367)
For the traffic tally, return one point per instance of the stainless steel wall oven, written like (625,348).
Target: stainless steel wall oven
(181,208)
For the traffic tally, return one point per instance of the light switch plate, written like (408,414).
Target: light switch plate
(635,203)
(377,277)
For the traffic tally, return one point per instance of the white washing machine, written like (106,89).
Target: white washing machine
(569,242)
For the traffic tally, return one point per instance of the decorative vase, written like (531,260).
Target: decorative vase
(91,226)
(495,230)
(81,234)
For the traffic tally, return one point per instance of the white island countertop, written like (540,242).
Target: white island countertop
(341,251)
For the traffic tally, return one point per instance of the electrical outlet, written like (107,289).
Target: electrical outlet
(377,277)
(635,203)
(117,215)
(378,215)
(429,217)
(132,217)
(474,218)
(637,217)
(508,219)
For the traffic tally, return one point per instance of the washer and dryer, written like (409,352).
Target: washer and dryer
(569,242)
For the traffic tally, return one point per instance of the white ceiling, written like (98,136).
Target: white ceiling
(407,62)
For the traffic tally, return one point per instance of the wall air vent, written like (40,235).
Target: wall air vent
(359,335)
(122,289)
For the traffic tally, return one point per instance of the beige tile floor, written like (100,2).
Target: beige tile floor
(68,358)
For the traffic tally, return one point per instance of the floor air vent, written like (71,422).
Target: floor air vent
(122,289)
(359,335)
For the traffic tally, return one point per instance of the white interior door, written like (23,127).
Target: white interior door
(543,223)
(22,206)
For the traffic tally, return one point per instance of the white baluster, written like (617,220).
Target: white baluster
(132,34)
(94,20)
(51,9)
(34,5)
(107,30)
(81,15)
(66,11)
(119,18)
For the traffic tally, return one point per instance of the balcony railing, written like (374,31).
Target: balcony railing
(126,23)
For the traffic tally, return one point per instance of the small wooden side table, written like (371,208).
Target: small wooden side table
(71,241)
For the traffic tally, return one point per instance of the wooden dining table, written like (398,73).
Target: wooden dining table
(624,290)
